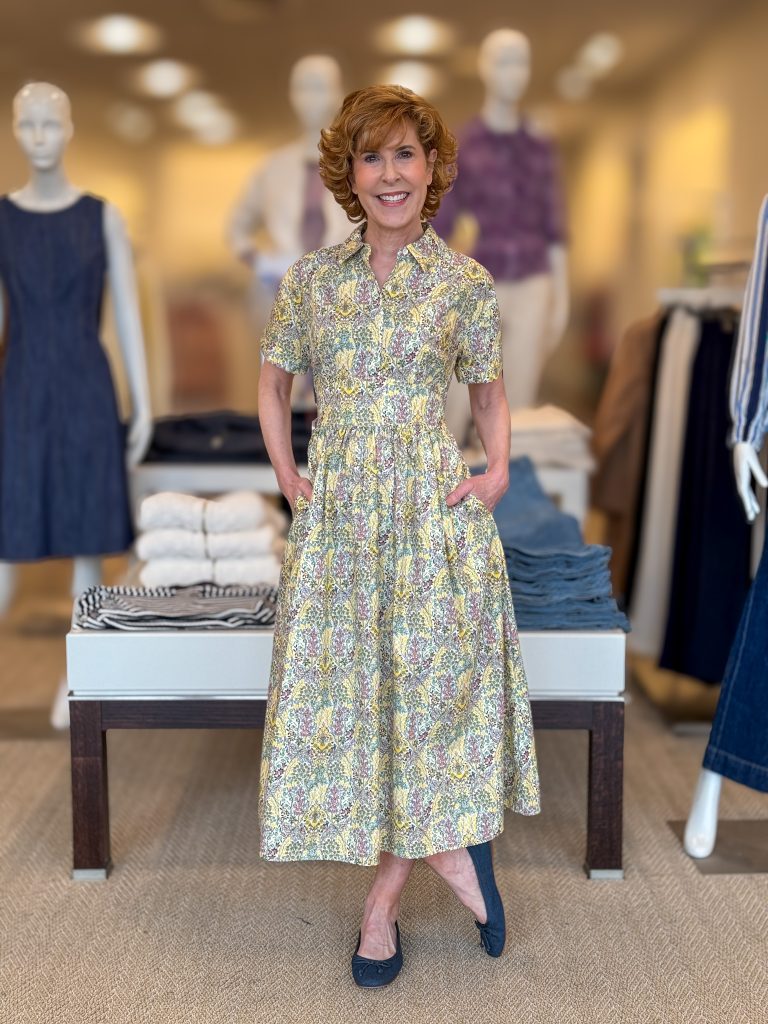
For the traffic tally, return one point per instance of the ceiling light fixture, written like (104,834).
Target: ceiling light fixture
(600,54)
(196,109)
(415,35)
(421,78)
(118,34)
(221,128)
(165,79)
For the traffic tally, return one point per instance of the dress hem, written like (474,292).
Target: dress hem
(370,862)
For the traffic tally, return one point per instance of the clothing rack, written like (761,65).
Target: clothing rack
(698,299)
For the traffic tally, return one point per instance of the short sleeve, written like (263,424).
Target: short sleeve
(286,337)
(479,331)
(554,200)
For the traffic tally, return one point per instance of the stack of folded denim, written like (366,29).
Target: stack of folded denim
(557,581)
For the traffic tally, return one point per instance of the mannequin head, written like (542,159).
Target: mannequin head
(315,90)
(505,64)
(42,123)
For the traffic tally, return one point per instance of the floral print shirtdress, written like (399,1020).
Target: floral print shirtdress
(398,715)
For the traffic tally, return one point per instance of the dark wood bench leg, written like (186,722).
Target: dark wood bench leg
(90,793)
(606,791)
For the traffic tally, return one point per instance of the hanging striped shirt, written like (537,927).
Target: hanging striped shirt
(749,379)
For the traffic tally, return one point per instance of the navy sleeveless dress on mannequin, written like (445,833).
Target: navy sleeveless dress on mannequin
(63,485)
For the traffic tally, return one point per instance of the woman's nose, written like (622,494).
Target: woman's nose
(391,173)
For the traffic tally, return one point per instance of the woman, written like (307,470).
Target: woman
(398,723)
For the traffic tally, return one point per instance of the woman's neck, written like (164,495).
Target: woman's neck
(386,243)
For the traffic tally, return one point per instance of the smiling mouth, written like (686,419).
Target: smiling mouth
(393,198)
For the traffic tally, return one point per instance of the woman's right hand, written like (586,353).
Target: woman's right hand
(298,485)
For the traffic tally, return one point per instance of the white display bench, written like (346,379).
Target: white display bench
(218,679)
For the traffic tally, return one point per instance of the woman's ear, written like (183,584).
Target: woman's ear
(431,158)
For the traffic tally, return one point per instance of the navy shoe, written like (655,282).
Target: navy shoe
(494,931)
(375,973)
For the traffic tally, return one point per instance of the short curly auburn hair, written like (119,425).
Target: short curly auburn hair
(366,120)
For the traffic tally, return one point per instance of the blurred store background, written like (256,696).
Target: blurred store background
(657,108)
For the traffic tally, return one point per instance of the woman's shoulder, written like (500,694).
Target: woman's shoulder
(328,259)
(464,268)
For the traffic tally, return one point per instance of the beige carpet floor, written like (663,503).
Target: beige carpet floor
(192,927)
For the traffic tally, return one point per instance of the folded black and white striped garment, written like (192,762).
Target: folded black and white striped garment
(205,606)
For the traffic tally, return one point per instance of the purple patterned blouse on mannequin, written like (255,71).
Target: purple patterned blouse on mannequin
(509,182)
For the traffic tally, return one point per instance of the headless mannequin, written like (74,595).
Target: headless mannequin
(273,200)
(701,827)
(534,309)
(43,128)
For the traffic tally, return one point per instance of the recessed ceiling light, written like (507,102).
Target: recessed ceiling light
(600,54)
(421,78)
(222,128)
(165,79)
(118,33)
(131,122)
(415,36)
(197,109)
(573,84)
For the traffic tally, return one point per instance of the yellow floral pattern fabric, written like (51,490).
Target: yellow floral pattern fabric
(398,716)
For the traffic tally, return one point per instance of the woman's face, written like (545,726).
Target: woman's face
(391,181)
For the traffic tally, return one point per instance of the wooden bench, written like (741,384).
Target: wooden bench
(218,680)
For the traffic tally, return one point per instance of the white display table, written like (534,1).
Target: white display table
(218,679)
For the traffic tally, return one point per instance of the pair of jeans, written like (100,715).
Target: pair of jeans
(711,565)
(557,581)
(738,743)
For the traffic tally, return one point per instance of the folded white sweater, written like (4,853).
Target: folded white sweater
(196,544)
(240,510)
(182,572)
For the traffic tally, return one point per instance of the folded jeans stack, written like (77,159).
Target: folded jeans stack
(557,581)
(234,540)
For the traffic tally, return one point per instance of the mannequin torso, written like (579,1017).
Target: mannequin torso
(508,184)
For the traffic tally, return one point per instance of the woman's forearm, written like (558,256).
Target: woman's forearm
(275,422)
(490,412)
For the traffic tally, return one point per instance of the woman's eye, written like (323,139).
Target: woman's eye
(370,158)
(405,154)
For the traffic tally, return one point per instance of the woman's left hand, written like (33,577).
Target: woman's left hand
(488,487)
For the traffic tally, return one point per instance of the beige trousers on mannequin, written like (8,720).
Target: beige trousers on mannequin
(525,308)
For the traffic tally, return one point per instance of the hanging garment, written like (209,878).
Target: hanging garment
(620,439)
(738,742)
(749,380)
(63,486)
(398,715)
(650,598)
(710,575)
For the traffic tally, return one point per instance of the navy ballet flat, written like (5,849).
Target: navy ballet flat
(376,973)
(494,932)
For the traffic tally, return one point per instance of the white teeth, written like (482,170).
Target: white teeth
(394,199)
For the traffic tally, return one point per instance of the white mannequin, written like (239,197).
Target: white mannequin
(272,200)
(535,309)
(701,827)
(43,128)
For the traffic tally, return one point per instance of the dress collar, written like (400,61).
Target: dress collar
(424,249)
